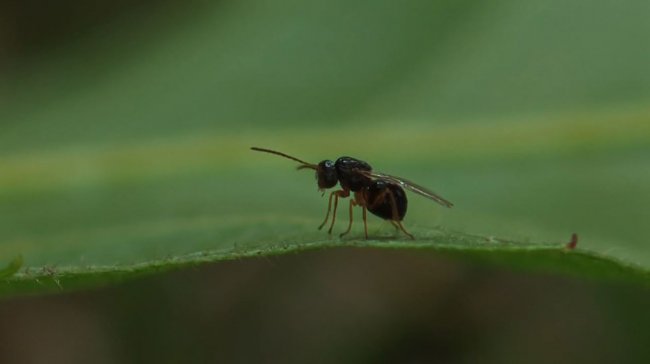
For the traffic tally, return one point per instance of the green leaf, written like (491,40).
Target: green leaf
(194,207)
(547,258)
(12,267)
(122,166)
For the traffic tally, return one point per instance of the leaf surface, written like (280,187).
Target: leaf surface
(534,123)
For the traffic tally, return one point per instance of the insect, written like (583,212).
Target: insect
(381,194)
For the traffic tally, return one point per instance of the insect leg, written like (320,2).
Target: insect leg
(394,225)
(362,200)
(380,198)
(377,200)
(404,230)
(352,204)
(393,206)
(337,194)
(329,207)
(365,222)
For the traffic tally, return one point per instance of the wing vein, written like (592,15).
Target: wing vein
(411,186)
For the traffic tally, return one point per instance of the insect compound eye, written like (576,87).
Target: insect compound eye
(326,174)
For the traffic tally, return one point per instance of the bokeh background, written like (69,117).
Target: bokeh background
(124,136)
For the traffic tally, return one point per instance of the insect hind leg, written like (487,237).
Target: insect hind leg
(399,223)
(392,222)
(396,219)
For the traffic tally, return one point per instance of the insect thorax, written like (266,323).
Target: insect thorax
(347,170)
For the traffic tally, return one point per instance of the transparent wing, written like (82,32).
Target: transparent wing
(411,186)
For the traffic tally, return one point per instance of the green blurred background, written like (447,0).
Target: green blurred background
(124,138)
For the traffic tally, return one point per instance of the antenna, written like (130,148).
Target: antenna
(304,164)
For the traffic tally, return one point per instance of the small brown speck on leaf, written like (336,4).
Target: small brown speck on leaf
(573,243)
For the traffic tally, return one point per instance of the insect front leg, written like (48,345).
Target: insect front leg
(336,194)
(329,208)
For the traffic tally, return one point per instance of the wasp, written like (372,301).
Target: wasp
(380,193)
